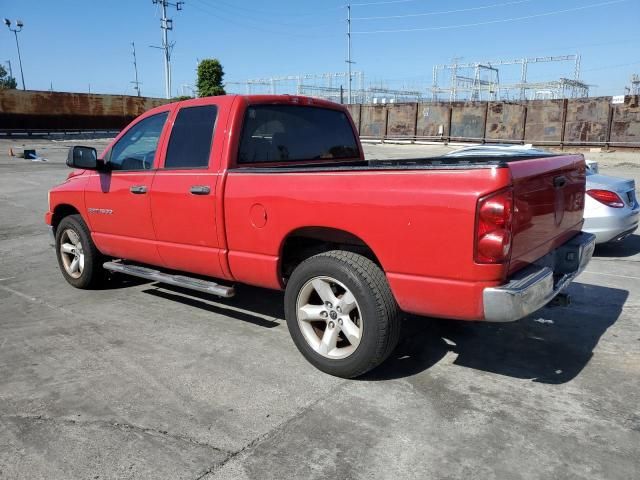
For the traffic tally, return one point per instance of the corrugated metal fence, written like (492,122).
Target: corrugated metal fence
(34,111)
(587,121)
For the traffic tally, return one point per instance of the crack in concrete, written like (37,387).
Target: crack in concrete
(124,427)
(274,431)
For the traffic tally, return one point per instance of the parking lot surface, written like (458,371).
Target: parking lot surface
(142,380)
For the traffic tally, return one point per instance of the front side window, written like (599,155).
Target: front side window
(191,137)
(285,133)
(136,149)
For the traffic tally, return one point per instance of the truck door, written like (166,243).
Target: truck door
(183,194)
(117,200)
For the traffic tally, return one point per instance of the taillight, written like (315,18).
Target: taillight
(610,199)
(493,228)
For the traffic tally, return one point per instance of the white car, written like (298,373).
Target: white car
(611,209)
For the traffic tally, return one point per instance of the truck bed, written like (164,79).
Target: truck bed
(421,163)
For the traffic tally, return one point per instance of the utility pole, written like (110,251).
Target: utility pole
(8,62)
(136,83)
(349,62)
(166,24)
(18,28)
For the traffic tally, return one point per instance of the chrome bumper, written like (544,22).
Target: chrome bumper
(533,287)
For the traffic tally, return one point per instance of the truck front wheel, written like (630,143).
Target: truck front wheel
(79,260)
(341,313)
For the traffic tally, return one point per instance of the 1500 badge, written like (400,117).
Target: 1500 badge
(101,211)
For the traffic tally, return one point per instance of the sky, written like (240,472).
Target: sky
(76,45)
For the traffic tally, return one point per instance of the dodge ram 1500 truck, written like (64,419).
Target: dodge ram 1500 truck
(274,191)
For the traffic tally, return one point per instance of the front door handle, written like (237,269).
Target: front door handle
(138,189)
(200,190)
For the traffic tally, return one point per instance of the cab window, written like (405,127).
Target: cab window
(191,137)
(284,133)
(136,149)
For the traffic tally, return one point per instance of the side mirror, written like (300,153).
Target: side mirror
(83,157)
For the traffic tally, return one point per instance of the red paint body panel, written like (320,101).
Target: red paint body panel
(420,224)
(440,297)
(128,228)
(546,216)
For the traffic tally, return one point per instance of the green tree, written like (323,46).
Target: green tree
(210,76)
(6,82)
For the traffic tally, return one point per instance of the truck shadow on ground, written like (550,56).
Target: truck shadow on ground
(252,305)
(629,247)
(551,346)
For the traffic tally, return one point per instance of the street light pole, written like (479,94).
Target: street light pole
(15,31)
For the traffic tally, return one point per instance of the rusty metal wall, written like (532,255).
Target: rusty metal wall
(373,121)
(34,110)
(505,122)
(587,121)
(401,120)
(468,120)
(433,120)
(545,120)
(354,111)
(625,122)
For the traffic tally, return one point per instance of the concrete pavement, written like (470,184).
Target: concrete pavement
(145,381)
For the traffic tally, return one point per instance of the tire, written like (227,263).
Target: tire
(358,297)
(78,258)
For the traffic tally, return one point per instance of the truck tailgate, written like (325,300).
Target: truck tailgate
(549,203)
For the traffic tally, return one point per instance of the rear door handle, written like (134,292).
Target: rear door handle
(560,181)
(138,189)
(200,190)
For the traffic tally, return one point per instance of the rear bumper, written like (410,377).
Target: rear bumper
(533,287)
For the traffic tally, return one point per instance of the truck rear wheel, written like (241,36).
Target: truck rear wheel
(341,313)
(79,260)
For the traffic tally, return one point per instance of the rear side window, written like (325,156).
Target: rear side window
(191,137)
(284,133)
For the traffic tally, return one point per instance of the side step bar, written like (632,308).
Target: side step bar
(177,280)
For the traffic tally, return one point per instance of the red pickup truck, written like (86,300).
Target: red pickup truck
(274,191)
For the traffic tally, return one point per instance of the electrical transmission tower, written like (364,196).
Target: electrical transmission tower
(475,80)
(166,24)
(136,83)
(635,84)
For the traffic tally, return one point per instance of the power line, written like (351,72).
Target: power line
(230,18)
(380,3)
(288,13)
(459,10)
(490,22)
(607,67)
